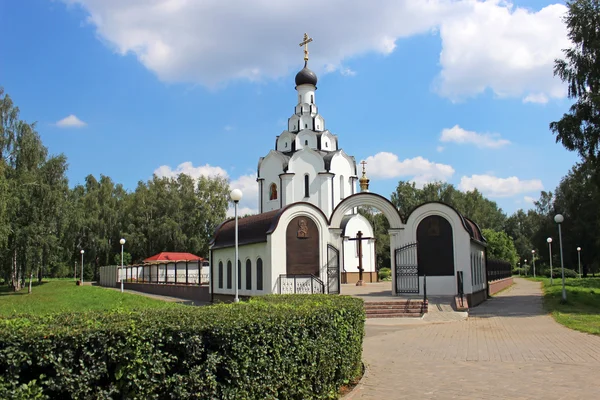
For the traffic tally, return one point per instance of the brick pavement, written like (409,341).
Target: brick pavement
(508,348)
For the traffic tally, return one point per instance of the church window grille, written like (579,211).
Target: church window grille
(273,192)
(239,277)
(229,274)
(306,193)
(220,274)
(259,274)
(248,275)
(342,187)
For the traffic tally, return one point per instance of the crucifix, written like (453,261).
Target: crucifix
(359,238)
(363,163)
(305,43)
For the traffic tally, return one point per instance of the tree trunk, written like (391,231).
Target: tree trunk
(16,282)
(30,281)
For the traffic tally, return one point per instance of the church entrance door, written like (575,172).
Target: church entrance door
(435,249)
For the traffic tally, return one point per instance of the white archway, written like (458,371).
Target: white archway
(368,200)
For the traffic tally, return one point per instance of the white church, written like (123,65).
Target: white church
(309,237)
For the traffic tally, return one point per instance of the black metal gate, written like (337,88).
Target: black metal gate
(407,269)
(333,270)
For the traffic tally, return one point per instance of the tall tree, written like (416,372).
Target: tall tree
(579,129)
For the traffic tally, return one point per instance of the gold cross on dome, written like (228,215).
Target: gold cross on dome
(305,43)
(363,163)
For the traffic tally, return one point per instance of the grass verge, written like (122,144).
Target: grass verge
(582,309)
(64,296)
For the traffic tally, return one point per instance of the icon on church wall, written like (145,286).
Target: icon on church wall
(302,229)
(273,192)
(434,227)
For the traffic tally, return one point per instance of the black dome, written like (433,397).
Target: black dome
(306,76)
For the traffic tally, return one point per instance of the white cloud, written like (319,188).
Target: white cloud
(529,199)
(485,44)
(71,122)
(189,169)
(499,187)
(539,98)
(248,205)
(440,149)
(459,135)
(386,165)
(347,72)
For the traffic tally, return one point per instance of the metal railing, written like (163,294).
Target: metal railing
(498,269)
(304,284)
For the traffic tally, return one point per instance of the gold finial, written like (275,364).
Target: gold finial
(305,43)
(364,181)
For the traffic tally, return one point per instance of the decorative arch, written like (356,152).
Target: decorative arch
(366,200)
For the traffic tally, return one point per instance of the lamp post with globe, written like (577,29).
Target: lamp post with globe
(558,218)
(122,241)
(82,251)
(579,260)
(549,240)
(236,196)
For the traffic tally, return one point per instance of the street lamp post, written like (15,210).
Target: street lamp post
(558,218)
(82,251)
(533,261)
(122,241)
(236,196)
(579,260)
(525,265)
(549,240)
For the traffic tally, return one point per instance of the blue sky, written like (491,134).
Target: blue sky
(460,91)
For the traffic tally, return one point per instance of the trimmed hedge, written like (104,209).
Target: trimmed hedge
(272,347)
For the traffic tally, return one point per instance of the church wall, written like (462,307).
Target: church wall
(303,163)
(341,167)
(246,252)
(269,171)
(355,224)
(306,94)
(478,276)
(278,242)
(444,285)
(304,137)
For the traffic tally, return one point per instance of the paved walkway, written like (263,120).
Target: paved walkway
(508,348)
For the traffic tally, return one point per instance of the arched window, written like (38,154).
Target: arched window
(248,275)
(326,143)
(306,192)
(286,145)
(220,274)
(229,274)
(305,125)
(259,274)
(306,142)
(273,192)
(312,98)
(239,277)
(341,187)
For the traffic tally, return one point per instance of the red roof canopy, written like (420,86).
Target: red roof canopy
(168,256)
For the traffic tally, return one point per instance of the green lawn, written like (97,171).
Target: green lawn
(64,296)
(582,310)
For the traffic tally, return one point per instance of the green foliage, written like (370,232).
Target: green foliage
(277,347)
(500,246)
(579,130)
(385,274)
(471,204)
(126,258)
(582,309)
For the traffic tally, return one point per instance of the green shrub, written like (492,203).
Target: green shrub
(556,273)
(273,347)
(385,274)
